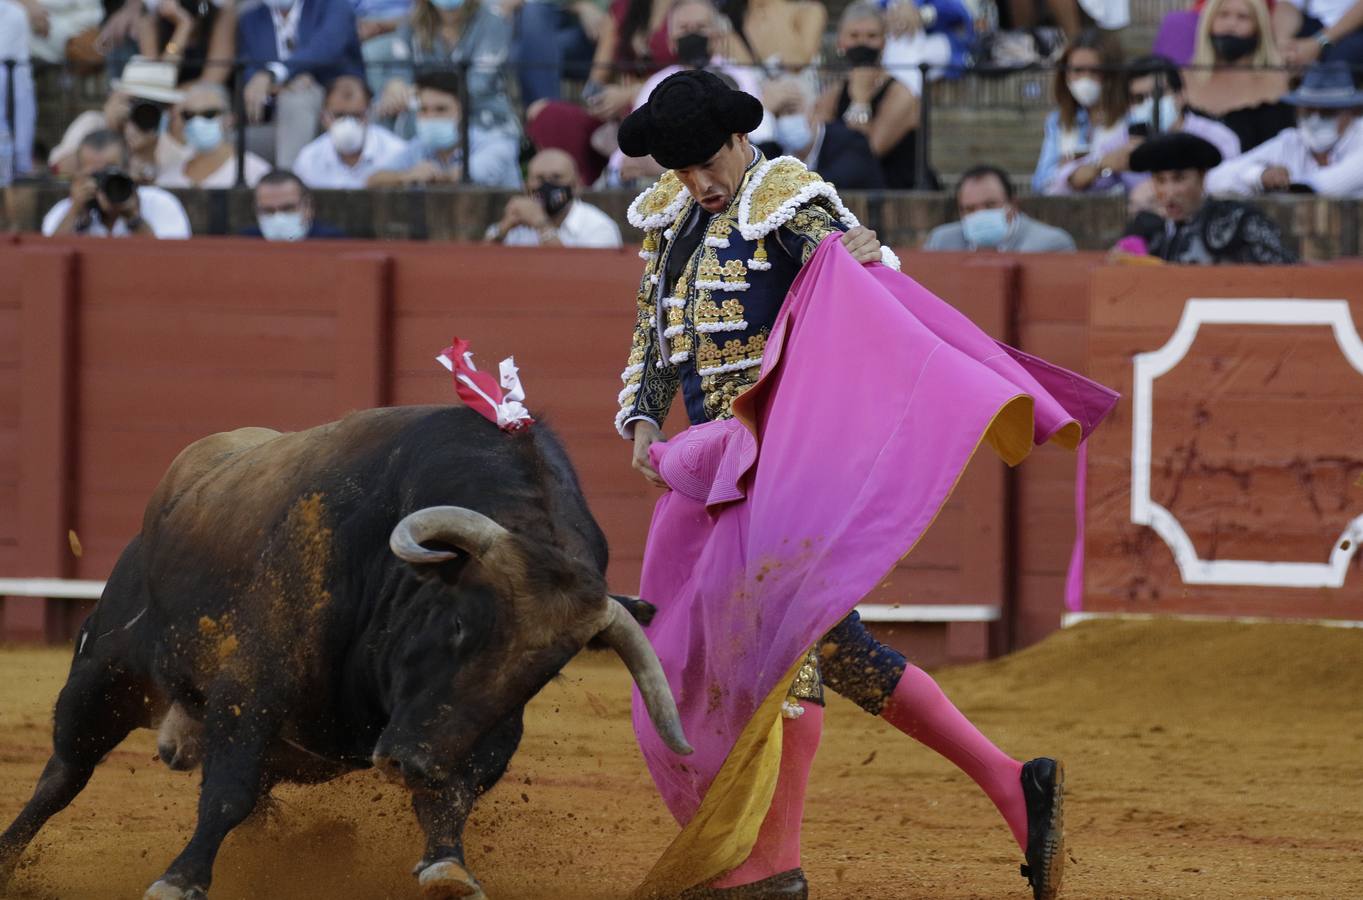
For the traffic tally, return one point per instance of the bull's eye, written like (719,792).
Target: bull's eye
(458,629)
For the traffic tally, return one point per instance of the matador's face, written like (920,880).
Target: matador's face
(714,182)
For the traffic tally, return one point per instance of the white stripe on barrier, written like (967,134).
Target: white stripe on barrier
(870,612)
(1074,618)
(51,587)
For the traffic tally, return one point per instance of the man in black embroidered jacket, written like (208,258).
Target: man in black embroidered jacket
(726,232)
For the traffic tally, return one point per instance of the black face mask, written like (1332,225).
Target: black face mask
(1233,47)
(554,197)
(859,55)
(693,50)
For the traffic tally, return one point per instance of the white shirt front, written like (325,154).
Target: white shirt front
(1341,176)
(320,166)
(224,176)
(159,209)
(1327,11)
(584,226)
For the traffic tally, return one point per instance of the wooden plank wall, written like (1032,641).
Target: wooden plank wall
(1256,449)
(170,342)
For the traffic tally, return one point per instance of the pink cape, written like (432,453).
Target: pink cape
(873,396)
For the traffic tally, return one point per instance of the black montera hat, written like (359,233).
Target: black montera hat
(687,118)
(1175,150)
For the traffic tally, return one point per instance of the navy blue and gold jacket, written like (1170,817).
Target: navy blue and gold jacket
(703,321)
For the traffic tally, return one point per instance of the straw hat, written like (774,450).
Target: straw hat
(148,79)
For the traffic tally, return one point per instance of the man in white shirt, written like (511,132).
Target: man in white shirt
(1323,154)
(104,201)
(548,215)
(352,148)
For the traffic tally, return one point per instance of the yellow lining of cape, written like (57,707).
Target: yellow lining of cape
(724,829)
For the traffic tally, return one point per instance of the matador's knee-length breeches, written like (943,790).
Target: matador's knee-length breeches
(854,664)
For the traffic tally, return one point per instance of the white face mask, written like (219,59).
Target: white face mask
(1143,113)
(794,132)
(1086,91)
(1318,133)
(203,134)
(283,226)
(347,135)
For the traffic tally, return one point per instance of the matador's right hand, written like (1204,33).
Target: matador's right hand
(646,434)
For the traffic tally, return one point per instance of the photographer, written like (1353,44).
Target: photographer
(105,202)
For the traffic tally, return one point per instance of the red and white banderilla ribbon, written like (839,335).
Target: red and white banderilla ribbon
(503,404)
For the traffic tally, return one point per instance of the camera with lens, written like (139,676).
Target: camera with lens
(146,116)
(115,184)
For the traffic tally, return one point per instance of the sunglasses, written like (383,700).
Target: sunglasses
(204,113)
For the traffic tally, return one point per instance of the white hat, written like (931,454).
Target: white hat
(149,79)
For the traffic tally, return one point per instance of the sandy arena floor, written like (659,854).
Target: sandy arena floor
(1210,761)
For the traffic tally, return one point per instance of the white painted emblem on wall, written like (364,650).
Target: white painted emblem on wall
(1149,366)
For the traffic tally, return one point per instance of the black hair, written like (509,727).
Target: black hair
(336,82)
(284,176)
(1154,64)
(446,81)
(984,171)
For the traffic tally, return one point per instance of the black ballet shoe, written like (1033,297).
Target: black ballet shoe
(781,886)
(1043,787)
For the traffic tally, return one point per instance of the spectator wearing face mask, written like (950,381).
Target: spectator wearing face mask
(696,37)
(206,111)
(1108,166)
(292,48)
(1188,226)
(352,149)
(1090,99)
(435,154)
(105,201)
(549,215)
(869,101)
(990,219)
(284,210)
(1322,154)
(1237,76)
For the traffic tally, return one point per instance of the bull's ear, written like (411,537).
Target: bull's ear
(642,611)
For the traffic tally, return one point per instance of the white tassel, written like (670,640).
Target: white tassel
(759,265)
(792,710)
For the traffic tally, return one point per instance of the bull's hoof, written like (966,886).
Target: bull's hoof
(164,890)
(446,879)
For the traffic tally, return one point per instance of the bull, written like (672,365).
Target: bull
(388,590)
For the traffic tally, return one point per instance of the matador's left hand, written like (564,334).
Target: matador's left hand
(862,243)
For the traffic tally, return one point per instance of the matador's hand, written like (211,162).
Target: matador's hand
(645,435)
(863,244)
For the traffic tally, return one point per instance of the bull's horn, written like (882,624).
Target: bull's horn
(470,531)
(623,635)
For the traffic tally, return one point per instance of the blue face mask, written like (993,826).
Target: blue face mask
(437,134)
(793,132)
(447,4)
(203,134)
(985,227)
(1143,113)
(283,226)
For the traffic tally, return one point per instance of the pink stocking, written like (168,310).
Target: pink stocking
(778,842)
(920,709)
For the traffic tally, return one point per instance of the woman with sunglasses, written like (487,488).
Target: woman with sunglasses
(208,130)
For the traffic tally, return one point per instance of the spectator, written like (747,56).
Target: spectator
(353,148)
(549,215)
(1107,166)
(189,32)
(556,39)
(141,99)
(436,155)
(377,23)
(294,47)
(473,34)
(64,30)
(696,36)
(208,134)
(1090,98)
(991,220)
(869,101)
(105,201)
(1190,227)
(1323,154)
(633,45)
(1319,30)
(16,137)
(284,210)
(938,33)
(1236,77)
(777,35)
